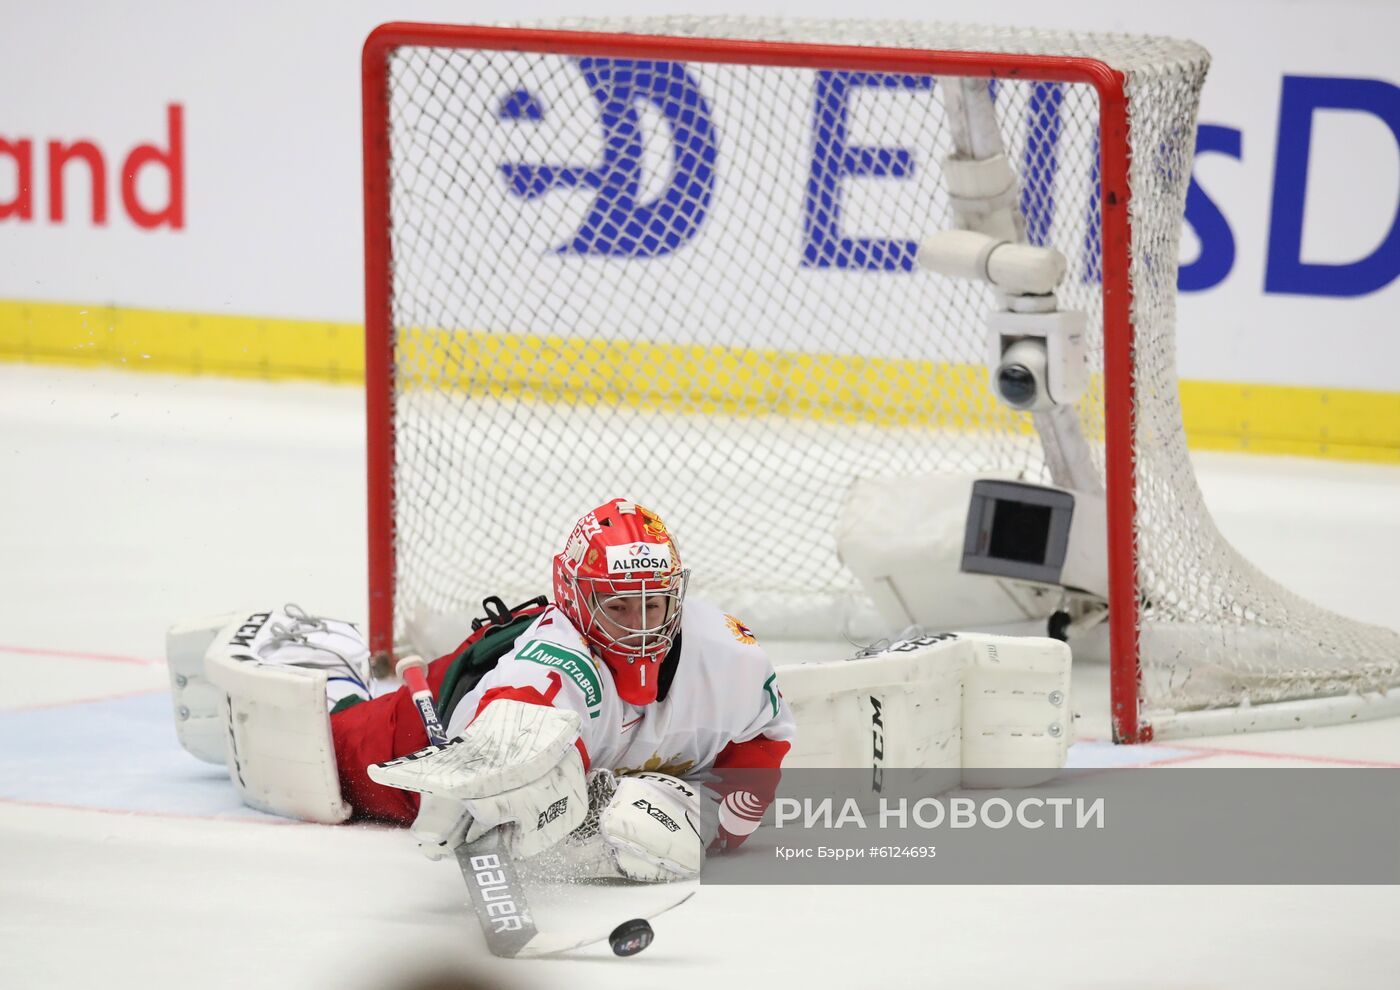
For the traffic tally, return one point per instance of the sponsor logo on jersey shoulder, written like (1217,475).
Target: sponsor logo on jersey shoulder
(631,558)
(572,665)
(741,632)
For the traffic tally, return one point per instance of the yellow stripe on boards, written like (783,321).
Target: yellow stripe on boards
(1342,424)
(708,380)
(181,343)
(705,379)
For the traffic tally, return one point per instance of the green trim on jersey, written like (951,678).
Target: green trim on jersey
(772,694)
(349,701)
(575,666)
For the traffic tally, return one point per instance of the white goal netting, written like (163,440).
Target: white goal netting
(692,283)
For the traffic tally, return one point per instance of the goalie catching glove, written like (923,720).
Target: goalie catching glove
(647,828)
(516,766)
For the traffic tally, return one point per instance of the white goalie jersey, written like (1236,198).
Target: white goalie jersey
(718,694)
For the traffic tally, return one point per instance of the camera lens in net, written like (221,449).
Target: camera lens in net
(1016,384)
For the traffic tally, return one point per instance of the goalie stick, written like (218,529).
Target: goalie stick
(495,888)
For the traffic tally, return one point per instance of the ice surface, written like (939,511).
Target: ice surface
(132,501)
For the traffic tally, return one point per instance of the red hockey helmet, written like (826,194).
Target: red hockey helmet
(620,582)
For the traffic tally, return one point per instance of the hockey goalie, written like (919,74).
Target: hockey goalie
(595,725)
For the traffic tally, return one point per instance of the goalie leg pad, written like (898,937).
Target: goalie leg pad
(900,707)
(269,636)
(1016,711)
(278,733)
(937,702)
(200,723)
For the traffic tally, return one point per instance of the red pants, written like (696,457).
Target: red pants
(375,731)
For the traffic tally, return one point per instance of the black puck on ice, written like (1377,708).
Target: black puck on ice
(631,937)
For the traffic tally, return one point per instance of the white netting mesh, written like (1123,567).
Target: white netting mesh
(693,285)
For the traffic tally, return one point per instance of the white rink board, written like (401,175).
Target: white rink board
(751,220)
(271,159)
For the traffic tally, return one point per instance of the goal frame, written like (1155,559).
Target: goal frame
(1118,328)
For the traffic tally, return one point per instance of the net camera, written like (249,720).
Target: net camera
(1038,355)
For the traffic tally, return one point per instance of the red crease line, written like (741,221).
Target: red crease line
(1342,761)
(1207,751)
(67,702)
(153,814)
(34,651)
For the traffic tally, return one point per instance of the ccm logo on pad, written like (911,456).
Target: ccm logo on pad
(632,557)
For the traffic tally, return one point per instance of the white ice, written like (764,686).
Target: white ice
(129,501)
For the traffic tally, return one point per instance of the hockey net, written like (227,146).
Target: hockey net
(682,271)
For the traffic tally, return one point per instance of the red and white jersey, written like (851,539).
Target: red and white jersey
(719,703)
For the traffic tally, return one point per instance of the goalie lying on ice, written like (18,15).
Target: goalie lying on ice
(590,721)
(600,723)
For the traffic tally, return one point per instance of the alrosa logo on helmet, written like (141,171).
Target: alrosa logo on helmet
(633,557)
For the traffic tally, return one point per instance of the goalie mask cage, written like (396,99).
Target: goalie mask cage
(673,259)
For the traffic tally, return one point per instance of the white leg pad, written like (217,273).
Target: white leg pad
(1015,710)
(894,709)
(199,720)
(936,702)
(278,732)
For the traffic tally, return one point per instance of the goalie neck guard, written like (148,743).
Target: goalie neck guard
(620,582)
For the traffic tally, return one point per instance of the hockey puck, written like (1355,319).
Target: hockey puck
(631,937)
